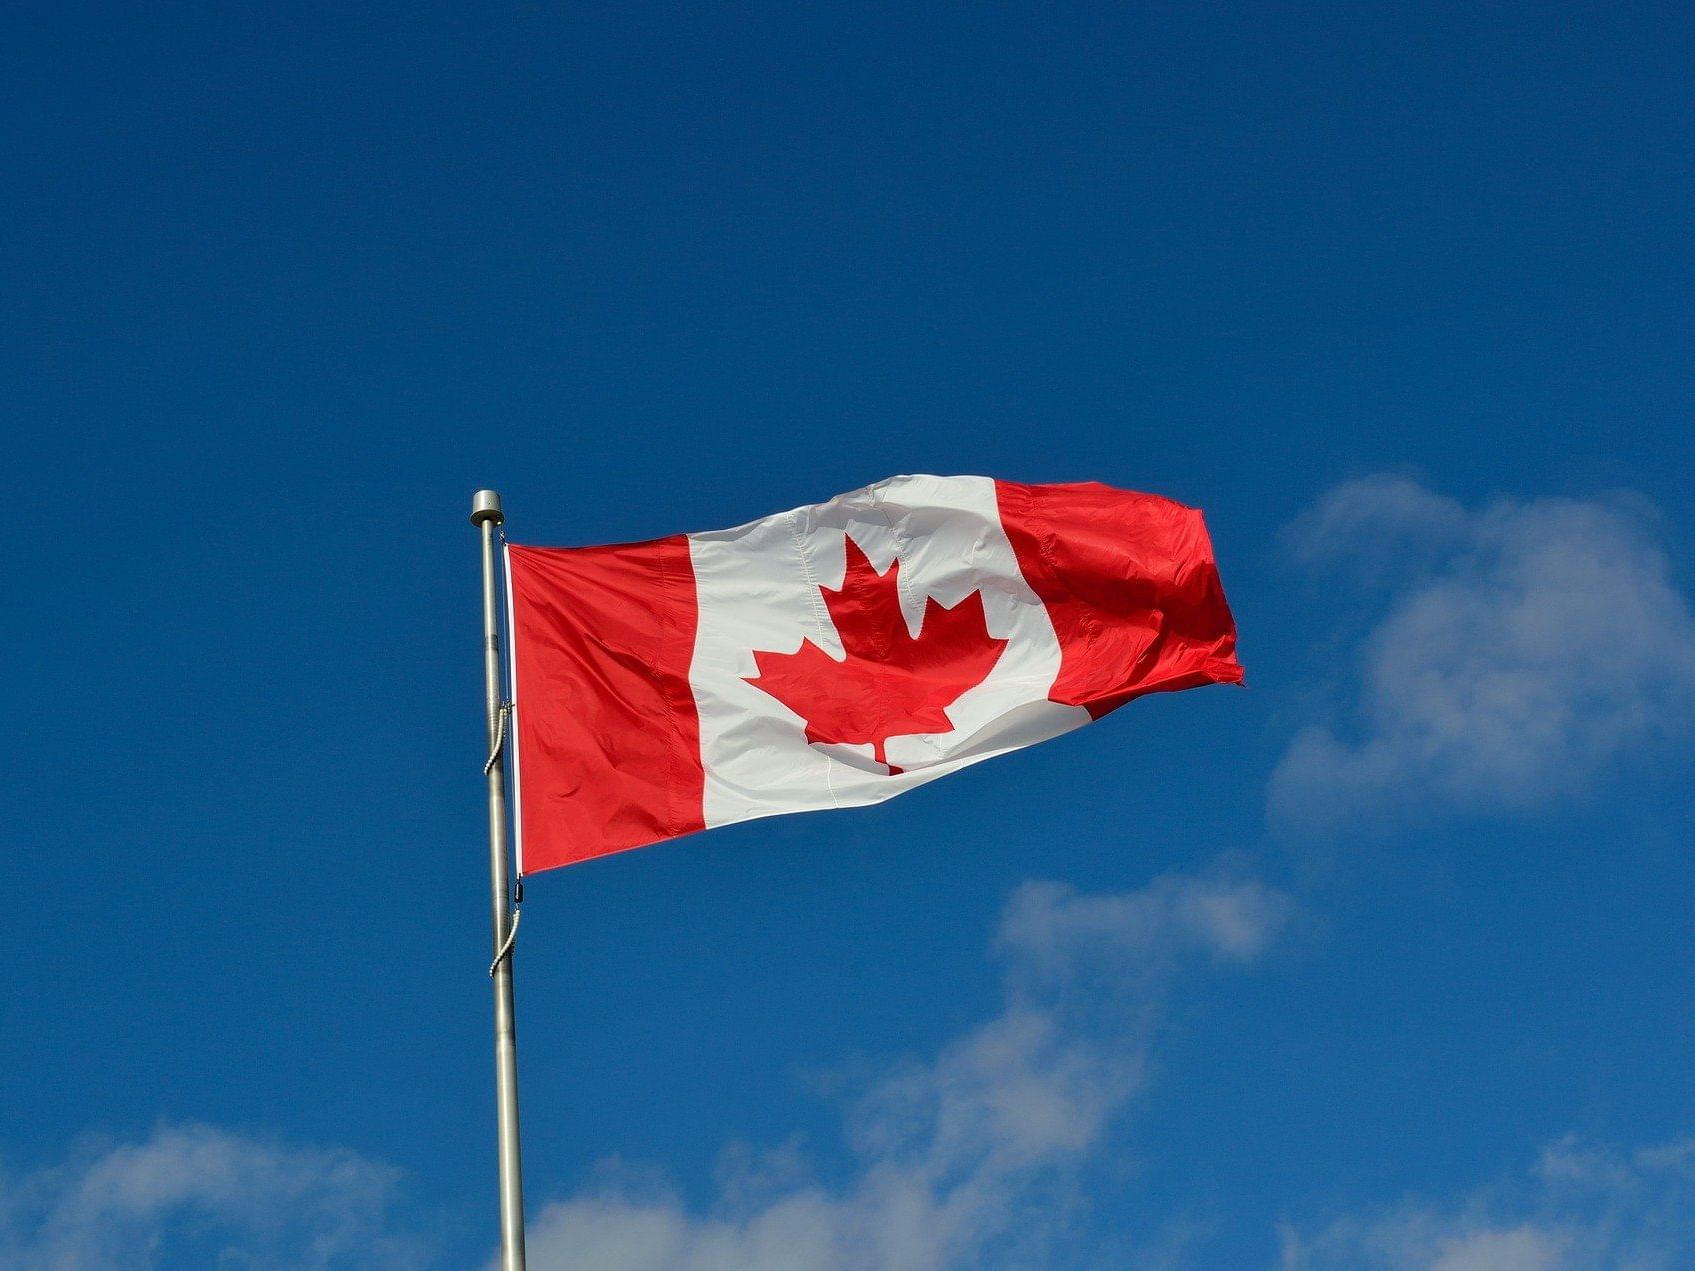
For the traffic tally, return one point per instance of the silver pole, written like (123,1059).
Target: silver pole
(485,513)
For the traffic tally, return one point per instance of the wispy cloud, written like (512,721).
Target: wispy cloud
(1525,647)
(961,1159)
(1580,1208)
(965,1158)
(191,1195)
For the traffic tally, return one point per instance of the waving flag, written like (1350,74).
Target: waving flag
(841,653)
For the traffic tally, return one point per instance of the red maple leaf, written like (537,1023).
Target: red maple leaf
(891,683)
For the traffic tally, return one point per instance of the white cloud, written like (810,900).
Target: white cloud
(1526,647)
(194,1195)
(1581,1208)
(1377,519)
(1048,927)
(963,1159)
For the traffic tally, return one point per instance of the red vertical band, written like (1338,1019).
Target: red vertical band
(607,733)
(1130,584)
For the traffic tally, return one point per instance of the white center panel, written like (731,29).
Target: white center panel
(758,589)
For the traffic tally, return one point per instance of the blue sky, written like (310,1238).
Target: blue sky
(1381,962)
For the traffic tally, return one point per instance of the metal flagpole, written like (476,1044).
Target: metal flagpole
(486,515)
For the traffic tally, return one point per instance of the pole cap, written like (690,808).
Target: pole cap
(485,506)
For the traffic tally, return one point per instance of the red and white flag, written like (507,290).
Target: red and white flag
(841,653)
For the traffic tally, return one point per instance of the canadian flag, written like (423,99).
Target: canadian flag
(841,653)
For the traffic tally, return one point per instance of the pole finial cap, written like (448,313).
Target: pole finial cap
(485,506)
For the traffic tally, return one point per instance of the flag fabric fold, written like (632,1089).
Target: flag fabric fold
(840,653)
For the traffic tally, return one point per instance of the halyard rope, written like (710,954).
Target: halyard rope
(506,948)
(499,737)
(493,755)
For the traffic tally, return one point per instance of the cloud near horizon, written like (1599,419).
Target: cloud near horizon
(1581,1207)
(194,1195)
(1526,647)
(965,1158)
(961,1159)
